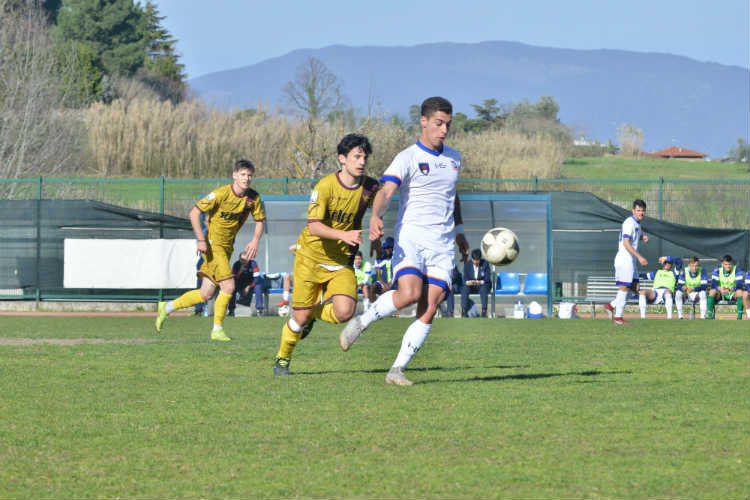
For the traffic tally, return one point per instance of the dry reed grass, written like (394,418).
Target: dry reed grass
(150,138)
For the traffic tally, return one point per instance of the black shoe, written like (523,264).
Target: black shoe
(307,329)
(230,313)
(259,312)
(281,366)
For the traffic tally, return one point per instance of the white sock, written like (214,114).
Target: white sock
(217,327)
(413,340)
(619,301)
(366,303)
(703,304)
(169,307)
(642,305)
(678,301)
(285,295)
(381,308)
(668,303)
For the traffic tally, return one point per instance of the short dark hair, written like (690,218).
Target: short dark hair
(434,104)
(351,141)
(639,203)
(727,258)
(695,259)
(476,254)
(358,254)
(240,164)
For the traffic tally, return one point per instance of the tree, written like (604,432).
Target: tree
(162,70)
(741,152)
(315,91)
(631,140)
(314,95)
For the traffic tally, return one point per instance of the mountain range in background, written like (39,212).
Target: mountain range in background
(675,100)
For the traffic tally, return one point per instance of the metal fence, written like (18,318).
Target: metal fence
(706,203)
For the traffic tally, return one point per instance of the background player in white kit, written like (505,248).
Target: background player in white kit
(425,176)
(626,271)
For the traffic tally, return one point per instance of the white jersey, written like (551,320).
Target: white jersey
(427,191)
(631,229)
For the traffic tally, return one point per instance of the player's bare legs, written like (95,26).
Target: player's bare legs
(408,292)
(417,333)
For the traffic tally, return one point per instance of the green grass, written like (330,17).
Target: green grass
(613,167)
(500,409)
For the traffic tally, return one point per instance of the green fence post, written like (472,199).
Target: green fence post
(286,184)
(161,222)
(38,237)
(661,198)
(534,182)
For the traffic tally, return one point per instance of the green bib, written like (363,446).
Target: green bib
(693,281)
(730,280)
(664,279)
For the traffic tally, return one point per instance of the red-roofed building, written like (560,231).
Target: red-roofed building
(678,153)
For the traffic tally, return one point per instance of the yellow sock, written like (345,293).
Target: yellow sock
(325,312)
(188,299)
(220,308)
(289,340)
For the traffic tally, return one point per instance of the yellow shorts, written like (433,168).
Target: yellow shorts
(216,264)
(313,283)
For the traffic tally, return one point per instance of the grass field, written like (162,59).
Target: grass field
(500,409)
(615,167)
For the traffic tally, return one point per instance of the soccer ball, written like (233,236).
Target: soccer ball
(500,246)
(283,311)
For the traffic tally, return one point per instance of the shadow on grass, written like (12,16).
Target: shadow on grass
(385,370)
(528,376)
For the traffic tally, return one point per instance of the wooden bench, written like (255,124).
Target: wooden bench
(602,289)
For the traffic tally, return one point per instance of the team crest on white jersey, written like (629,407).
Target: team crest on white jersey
(424,168)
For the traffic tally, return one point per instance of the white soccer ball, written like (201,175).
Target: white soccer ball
(284,311)
(500,246)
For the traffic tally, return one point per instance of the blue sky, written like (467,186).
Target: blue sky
(227,34)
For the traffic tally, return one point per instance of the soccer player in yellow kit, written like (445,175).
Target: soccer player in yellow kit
(325,286)
(228,207)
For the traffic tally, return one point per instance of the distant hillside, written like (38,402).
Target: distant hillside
(674,99)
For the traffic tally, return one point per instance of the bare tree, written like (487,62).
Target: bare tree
(314,94)
(631,140)
(39,135)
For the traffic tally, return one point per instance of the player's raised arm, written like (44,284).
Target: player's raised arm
(379,207)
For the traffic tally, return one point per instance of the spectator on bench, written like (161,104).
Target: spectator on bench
(726,283)
(247,281)
(477,279)
(691,285)
(665,280)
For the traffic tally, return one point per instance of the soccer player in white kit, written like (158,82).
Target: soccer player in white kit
(626,271)
(429,214)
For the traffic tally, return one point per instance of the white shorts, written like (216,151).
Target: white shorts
(659,297)
(433,263)
(626,272)
(690,297)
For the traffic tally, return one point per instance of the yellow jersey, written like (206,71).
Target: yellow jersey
(227,212)
(339,207)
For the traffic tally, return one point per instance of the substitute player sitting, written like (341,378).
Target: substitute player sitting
(228,208)
(691,287)
(665,280)
(726,283)
(326,248)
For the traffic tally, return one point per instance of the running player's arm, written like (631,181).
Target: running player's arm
(317,228)
(195,221)
(632,251)
(458,221)
(259,215)
(379,206)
